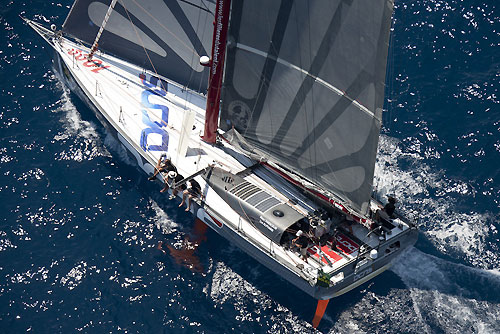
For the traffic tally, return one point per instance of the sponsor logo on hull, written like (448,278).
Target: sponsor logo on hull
(96,65)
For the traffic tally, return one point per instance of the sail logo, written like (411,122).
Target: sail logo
(215,61)
(154,124)
(95,64)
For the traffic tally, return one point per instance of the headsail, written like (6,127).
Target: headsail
(167,37)
(304,84)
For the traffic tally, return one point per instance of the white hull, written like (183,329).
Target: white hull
(146,115)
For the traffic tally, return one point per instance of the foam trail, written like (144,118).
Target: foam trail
(441,297)
(432,196)
(162,221)
(451,297)
(74,123)
(82,135)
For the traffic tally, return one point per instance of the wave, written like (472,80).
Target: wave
(162,221)
(432,197)
(253,310)
(81,136)
(450,297)
(438,296)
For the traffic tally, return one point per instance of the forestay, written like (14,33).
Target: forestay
(304,84)
(167,37)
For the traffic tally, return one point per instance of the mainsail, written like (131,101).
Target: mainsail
(166,37)
(304,84)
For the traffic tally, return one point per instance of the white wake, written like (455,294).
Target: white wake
(432,196)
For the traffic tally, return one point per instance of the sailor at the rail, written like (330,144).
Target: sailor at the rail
(173,179)
(390,207)
(193,190)
(387,213)
(164,165)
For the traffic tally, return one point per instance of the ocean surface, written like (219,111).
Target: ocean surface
(80,224)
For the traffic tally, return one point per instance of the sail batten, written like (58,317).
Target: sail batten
(304,85)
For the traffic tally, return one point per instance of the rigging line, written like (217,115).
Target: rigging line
(390,78)
(101,29)
(263,85)
(205,8)
(162,25)
(142,43)
(191,74)
(313,150)
(340,189)
(193,57)
(279,21)
(329,86)
(304,106)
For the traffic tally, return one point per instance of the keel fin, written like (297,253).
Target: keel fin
(320,310)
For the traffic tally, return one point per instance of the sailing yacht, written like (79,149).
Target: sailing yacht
(273,107)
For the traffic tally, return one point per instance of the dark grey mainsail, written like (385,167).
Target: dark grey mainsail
(167,37)
(304,84)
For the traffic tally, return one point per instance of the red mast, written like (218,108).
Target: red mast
(216,69)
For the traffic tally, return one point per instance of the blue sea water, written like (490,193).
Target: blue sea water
(79,223)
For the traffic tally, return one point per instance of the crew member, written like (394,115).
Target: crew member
(302,242)
(177,178)
(323,226)
(387,212)
(193,190)
(390,207)
(164,165)
(171,176)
